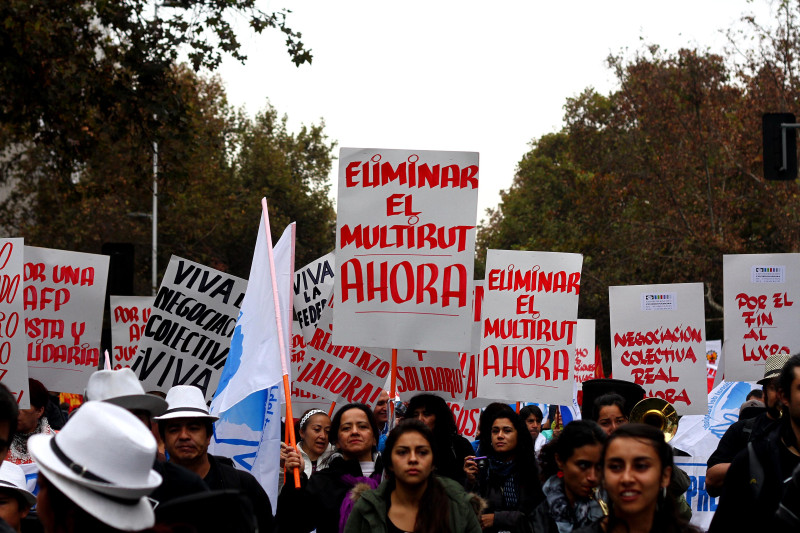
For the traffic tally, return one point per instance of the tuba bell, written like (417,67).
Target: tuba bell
(657,413)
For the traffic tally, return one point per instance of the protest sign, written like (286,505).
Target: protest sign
(405,242)
(466,419)
(529,320)
(13,363)
(658,341)
(302,400)
(339,373)
(418,371)
(188,336)
(129,315)
(585,361)
(713,372)
(64,295)
(761,293)
(702,505)
(313,285)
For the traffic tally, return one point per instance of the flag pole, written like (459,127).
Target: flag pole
(330,411)
(287,389)
(393,385)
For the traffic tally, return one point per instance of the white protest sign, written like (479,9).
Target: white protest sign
(405,243)
(418,371)
(762,311)
(64,294)
(129,315)
(529,322)
(188,337)
(702,505)
(658,340)
(713,363)
(302,400)
(13,363)
(340,373)
(585,365)
(313,285)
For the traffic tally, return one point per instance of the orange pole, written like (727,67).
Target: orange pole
(518,407)
(393,382)
(287,391)
(330,412)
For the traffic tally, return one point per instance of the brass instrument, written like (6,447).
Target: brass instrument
(658,413)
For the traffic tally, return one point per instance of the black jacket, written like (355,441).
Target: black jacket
(316,504)
(224,476)
(489,486)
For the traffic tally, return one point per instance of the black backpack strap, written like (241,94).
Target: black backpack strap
(747,428)
(756,472)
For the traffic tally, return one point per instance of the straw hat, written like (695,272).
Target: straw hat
(122,387)
(102,460)
(12,477)
(186,401)
(773,367)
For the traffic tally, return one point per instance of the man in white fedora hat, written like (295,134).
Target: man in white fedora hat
(186,428)
(96,471)
(736,437)
(123,388)
(15,498)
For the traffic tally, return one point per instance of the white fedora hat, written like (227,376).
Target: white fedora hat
(12,477)
(102,460)
(186,401)
(122,387)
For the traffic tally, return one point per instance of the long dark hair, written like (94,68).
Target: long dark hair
(336,422)
(524,454)
(433,514)
(666,518)
(576,434)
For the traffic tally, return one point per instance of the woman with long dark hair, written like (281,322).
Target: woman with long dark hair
(450,447)
(569,502)
(412,498)
(322,502)
(507,477)
(637,468)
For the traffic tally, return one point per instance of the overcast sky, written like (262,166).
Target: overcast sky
(460,75)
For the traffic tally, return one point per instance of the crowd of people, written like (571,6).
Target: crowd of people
(131,461)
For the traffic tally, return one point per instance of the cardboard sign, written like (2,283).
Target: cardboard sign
(529,324)
(762,311)
(13,363)
(302,400)
(129,316)
(585,363)
(405,243)
(340,373)
(187,338)
(313,285)
(64,295)
(658,340)
(466,419)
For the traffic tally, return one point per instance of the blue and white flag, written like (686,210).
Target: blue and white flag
(248,397)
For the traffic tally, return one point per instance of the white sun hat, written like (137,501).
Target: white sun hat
(122,387)
(12,477)
(102,460)
(186,401)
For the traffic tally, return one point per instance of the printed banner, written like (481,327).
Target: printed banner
(13,363)
(64,295)
(188,336)
(702,505)
(585,361)
(529,323)
(343,374)
(313,285)
(405,243)
(302,400)
(129,316)
(658,340)
(762,311)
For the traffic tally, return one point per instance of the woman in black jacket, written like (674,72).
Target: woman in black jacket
(322,502)
(450,448)
(507,478)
